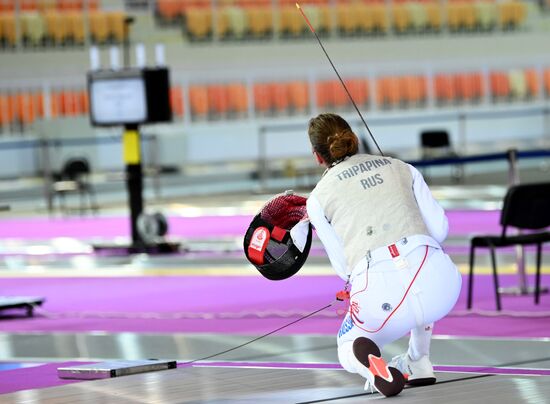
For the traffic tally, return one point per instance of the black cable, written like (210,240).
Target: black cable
(261,336)
(340,78)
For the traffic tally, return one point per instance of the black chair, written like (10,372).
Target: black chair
(526,207)
(437,144)
(74,178)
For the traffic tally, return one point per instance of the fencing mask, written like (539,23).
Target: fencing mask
(278,240)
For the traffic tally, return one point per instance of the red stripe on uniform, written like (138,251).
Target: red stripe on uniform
(400,303)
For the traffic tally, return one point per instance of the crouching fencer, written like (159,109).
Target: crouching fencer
(382,229)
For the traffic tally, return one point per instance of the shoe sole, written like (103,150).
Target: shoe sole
(387,380)
(425,381)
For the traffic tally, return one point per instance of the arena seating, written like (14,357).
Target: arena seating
(46,5)
(235,100)
(52,27)
(256,19)
(458,88)
(62,22)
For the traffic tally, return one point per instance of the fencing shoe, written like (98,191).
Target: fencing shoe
(387,380)
(420,372)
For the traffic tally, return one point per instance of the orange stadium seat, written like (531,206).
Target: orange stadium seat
(218,101)
(54,105)
(379,18)
(423,88)
(262,98)
(359,90)
(299,96)
(401,18)
(115,25)
(23,108)
(7,6)
(388,91)
(433,15)
(444,89)
(547,82)
(407,87)
(238,99)
(394,91)
(93,5)
(57,27)
(28,5)
(69,103)
(477,85)
(176,100)
(500,86)
(467,15)
(464,87)
(413,90)
(3,112)
(322,95)
(198,101)
(453,16)
(346,19)
(199,22)
(99,29)
(46,5)
(325,19)
(224,26)
(280,96)
(339,98)
(259,21)
(74,21)
(70,5)
(7,29)
(38,103)
(7,110)
(363,15)
(511,14)
(169,10)
(291,22)
(532,80)
(382,92)
(84,102)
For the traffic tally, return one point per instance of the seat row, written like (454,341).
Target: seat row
(236,100)
(211,101)
(348,19)
(53,28)
(10,6)
(22,108)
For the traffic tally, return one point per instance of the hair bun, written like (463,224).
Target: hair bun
(342,144)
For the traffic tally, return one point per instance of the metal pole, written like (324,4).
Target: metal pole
(513,179)
(154,153)
(127,22)
(134,179)
(47,174)
(513,173)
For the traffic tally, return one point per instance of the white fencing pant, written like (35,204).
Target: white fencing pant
(386,302)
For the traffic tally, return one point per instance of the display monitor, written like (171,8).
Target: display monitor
(129,96)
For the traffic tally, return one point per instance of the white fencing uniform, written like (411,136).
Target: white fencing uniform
(381,228)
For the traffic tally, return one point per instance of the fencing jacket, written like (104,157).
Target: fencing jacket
(367,202)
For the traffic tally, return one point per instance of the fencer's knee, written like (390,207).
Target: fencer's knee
(345,351)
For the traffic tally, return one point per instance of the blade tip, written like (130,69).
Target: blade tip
(297,6)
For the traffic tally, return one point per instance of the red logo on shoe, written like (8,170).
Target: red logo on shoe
(378,367)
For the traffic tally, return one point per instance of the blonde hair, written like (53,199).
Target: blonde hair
(332,137)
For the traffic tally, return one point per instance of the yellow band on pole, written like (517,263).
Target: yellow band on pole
(131,147)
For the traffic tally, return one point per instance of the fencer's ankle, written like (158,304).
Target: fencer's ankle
(412,356)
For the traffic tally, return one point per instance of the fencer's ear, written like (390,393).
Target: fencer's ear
(319,159)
